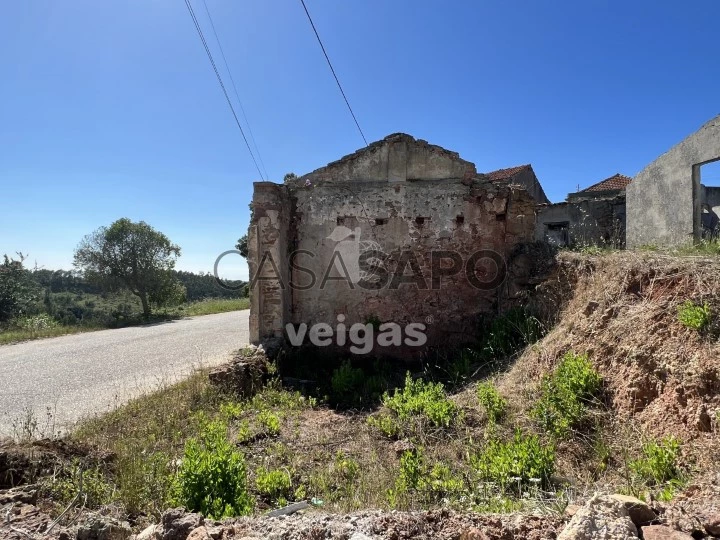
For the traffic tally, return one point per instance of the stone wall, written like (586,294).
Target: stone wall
(595,219)
(401,232)
(664,201)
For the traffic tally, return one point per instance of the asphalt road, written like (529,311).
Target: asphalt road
(78,375)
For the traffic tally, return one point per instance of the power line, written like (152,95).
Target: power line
(333,70)
(237,95)
(222,85)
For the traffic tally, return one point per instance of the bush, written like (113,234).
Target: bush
(212,477)
(659,462)
(565,394)
(491,400)
(521,460)
(275,485)
(387,425)
(270,423)
(431,483)
(419,398)
(694,316)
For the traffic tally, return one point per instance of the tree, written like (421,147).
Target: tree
(133,256)
(17,291)
(242,246)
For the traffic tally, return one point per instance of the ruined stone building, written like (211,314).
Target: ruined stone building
(667,204)
(400,232)
(593,216)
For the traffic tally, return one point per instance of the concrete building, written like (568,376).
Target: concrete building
(402,233)
(667,204)
(593,216)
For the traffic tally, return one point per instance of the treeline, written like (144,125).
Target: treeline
(197,286)
(41,297)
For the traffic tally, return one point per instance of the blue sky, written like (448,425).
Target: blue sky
(111,109)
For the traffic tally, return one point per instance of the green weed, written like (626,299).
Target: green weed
(519,461)
(212,477)
(419,398)
(694,316)
(565,395)
(491,400)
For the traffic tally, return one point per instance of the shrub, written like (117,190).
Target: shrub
(520,460)
(387,425)
(212,477)
(659,462)
(270,423)
(693,315)
(565,393)
(419,398)
(274,484)
(90,483)
(431,483)
(491,400)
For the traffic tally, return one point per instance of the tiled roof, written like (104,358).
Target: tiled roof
(618,181)
(506,174)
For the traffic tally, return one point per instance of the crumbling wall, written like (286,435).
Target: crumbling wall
(595,220)
(400,232)
(664,201)
(410,225)
(268,237)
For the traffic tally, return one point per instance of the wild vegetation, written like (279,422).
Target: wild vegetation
(565,409)
(43,303)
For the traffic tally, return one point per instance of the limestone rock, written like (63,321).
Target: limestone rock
(360,536)
(602,518)
(244,374)
(640,512)
(149,533)
(712,524)
(201,533)
(104,528)
(660,532)
(177,524)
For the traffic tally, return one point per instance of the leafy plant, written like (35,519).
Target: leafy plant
(212,477)
(386,424)
(694,316)
(491,400)
(91,483)
(430,483)
(270,423)
(659,462)
(420,398)
(565,394)
(274,484)
(520,461)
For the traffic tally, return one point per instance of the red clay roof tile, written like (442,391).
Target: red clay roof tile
(617,181)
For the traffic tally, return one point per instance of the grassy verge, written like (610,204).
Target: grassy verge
(213,305)
(19,334)
(50,328)
(192,445)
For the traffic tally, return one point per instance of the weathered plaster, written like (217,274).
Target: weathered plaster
(664,201)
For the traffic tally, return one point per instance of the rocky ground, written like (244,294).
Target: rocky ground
(694,514)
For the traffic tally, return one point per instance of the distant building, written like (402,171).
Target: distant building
(522,175)
(594,216)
